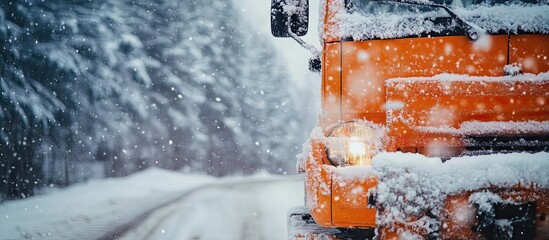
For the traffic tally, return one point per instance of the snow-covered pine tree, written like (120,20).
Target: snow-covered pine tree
(125,85)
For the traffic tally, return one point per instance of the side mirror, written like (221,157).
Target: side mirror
(289,15)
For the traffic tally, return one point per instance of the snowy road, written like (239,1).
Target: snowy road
(157,204)
(235,210)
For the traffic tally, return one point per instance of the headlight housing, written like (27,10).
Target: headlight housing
(354,143)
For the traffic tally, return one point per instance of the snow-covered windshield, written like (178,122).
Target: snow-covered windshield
(368,19)
(373,7)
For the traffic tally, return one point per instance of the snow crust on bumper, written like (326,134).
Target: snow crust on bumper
(412,188)
(461,173)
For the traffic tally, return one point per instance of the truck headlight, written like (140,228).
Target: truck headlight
(353,143)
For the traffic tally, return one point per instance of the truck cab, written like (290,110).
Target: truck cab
(434,120)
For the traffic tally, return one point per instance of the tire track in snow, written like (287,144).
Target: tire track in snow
(121,230)
(239,200)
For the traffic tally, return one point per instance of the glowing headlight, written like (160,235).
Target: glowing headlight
(353,143)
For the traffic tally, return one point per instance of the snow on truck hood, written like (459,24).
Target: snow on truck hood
(492,19)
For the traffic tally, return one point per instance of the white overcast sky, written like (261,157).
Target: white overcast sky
(296,58)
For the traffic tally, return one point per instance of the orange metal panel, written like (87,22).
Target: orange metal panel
(350,202)
(318,182)
(530,51)
(451,103)
(341,203)
(367,65)
(331,82)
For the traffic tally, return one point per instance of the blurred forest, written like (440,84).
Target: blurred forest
(110,87)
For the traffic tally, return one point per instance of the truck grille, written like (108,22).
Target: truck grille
(476,145)
(508,221)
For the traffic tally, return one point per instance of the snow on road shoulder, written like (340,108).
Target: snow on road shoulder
(88,210)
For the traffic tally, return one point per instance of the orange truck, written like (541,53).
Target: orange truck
(434,123)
